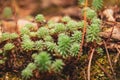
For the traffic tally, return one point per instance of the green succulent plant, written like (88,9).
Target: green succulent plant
(25,30)
(29,26)
(96,21)
(40,18)
(90,13)
(57,65)
(50,46)
(97,4)
(80,24)
(76,36)
(99,50)
(42,32)
(64,42)
(66,19)
(93,33)
(72,25)
(74,50)
(60,28)
(8,46)
(25,37)
(26,73)
(27,45)
(48,38)
(13,36)
(38,45)
(7,12)
(5,36)
(31,66)
(33,34)
(43,61)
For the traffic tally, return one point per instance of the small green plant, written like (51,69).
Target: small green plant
(43,61)
(76,36)
(27,45)
(8,46)
(64,42)
(74,50)
(93,33)
(57,65)
(40,18)
(42,32)
(72,25)
(60,28)
(26,73)
(7,12)
(50,46)
(97,4)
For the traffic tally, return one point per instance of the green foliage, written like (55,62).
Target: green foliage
(43,61)
(31,66)
(50,46)
(40,18)
(80,24)
(8,46)
(5,36)
(72,25)
(64,42)
(81,2)
(93,33)
(97,4)
(29,26)
(90,13)
(57,65)
(75,48)
(33,34)
(76,36)
(13,36)
(2,62)
(27,45)
(48,38)
(66,19)
(7,12)
(38,45)
(26,73)
(59,28)
(25,30)
(42,32)
(99,50)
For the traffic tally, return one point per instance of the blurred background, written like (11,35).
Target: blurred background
(49,8)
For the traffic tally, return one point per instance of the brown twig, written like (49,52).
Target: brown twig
(84,30)
(109,60)
(89,64)
(117,55)
(102,68)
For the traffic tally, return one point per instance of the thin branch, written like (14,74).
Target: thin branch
(84,30)
(109,60)
(89,64)
(102,68)
(117,55)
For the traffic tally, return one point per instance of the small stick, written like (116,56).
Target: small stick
(89,64)
(117,55)
(102,68)
(109,60)
(84,30)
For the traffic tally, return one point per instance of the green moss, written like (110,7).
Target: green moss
(8,46)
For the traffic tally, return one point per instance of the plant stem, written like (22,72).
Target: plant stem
(109,60)
(89,64)
(84,29)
